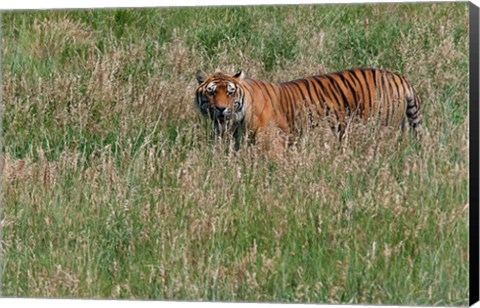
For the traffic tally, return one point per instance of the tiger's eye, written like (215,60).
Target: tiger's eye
(231,88)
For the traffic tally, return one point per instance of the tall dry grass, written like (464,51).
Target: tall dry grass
(112,186)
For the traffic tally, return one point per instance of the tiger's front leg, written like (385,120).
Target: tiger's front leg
(272,140)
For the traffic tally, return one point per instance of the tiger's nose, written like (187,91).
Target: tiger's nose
(220,111)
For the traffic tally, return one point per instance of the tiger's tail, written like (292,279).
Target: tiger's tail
(413,110)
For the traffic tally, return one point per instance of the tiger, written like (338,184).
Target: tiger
(236,101)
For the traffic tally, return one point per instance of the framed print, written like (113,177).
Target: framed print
(301,153)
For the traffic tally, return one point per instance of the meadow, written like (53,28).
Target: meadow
(112,187)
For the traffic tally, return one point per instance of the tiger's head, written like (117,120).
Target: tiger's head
(221,97)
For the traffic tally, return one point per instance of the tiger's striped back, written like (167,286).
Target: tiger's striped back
(354,94)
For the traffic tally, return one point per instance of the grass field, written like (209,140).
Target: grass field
(113,188)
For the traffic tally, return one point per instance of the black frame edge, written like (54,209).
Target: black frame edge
(473,153)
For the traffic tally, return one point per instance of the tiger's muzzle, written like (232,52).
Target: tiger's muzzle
(220,114)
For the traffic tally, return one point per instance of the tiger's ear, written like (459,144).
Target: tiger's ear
(201,76)
(239,75)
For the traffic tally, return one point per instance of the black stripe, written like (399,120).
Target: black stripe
(313,102)
(344,98)
(390,98)
(354,89)
(368,90)
(241,96)
(286,101)
(392,78)
(374,73)
(404,93)
(329,96)
(348,85)
(268,86)
(282,103)
(378,87)
(290,103)
(306,104)
(367,86)
(249,88)
(259,87)
(386,96)
(406,84)
(324,96)
(334,96)
(265,93)
(294,83)
(320,98)
(307,86)
(386,101)
(354,76)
